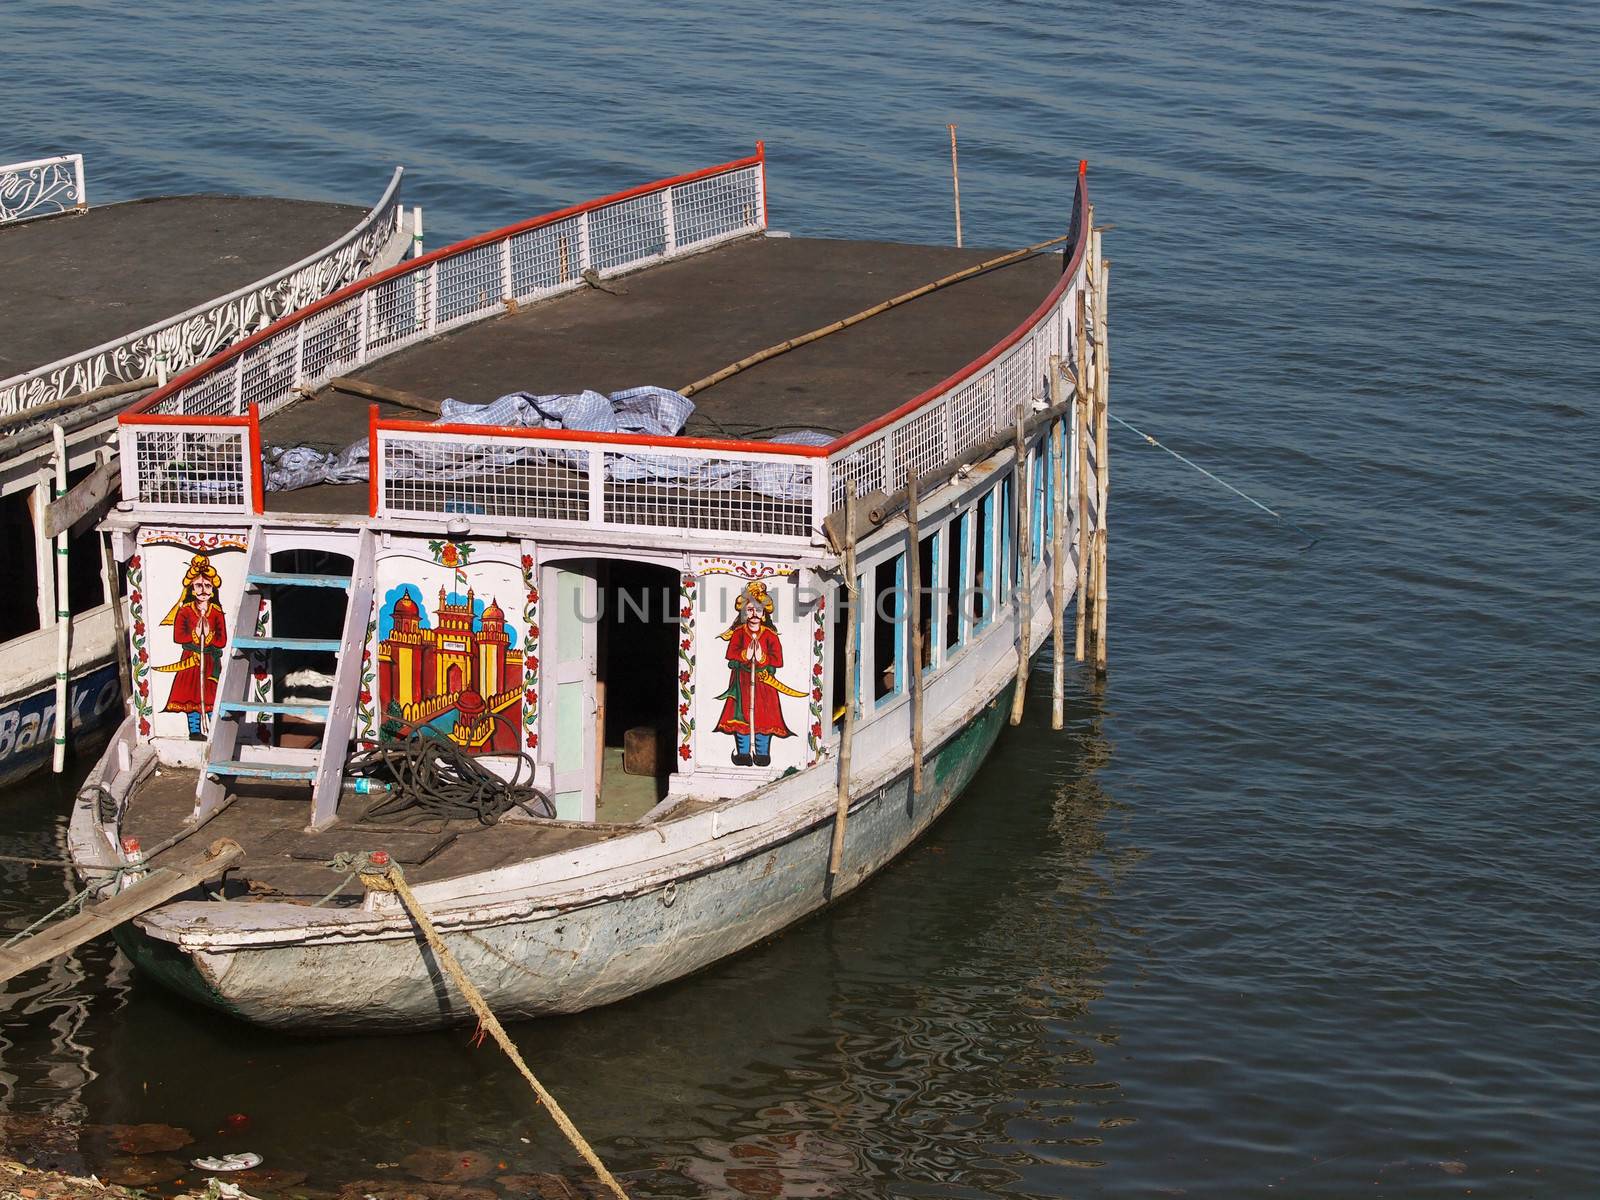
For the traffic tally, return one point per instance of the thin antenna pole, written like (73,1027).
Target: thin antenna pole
(955,180)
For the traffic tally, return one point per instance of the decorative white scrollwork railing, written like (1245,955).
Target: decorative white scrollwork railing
(179,342)
(43,187)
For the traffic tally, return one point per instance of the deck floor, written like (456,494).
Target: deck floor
(284,863)
(72,282)
(682,320)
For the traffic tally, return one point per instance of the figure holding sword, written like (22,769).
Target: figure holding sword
(752,710)
(201,632)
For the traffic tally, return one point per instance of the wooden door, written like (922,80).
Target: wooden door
(570,707)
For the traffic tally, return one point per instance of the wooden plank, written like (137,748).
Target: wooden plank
(84,500)
(159,886)
(391,395)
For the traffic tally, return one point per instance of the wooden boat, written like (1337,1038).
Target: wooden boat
(172,266)
(659,625)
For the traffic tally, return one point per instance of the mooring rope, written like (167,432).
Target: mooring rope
(73,904)
(1312,541)
(380,874)
(433,775)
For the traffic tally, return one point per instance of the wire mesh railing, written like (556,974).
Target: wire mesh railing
(456,286)
(205,464)
(469,282)
(602,481)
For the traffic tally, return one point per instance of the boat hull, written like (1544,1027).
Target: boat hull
(27,719)
(561,961)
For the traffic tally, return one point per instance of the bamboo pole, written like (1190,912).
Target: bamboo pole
(1080,418)
(1058,558)
(108,567)
(1023,487)
(955,181)
(58,758)
(74,402)
(761,356)
(1102,441)
(847,734)
(914,579)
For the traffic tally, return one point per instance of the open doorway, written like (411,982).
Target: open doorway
(303,676)
(636,682)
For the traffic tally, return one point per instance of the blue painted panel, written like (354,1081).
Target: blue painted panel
(258,706)
(260,770)
(282,579)
(286,643)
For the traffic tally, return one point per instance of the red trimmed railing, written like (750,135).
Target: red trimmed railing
(180,434)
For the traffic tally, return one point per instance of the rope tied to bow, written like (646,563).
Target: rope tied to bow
(379,873)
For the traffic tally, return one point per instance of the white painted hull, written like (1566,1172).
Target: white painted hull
(584,942)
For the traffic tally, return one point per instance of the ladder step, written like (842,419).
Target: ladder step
(286,710)
(280,579)
(260,770)
(331,645)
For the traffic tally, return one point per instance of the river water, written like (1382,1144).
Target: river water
(1304,902)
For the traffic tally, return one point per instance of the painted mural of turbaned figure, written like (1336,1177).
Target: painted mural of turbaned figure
(201,632)
(752,710)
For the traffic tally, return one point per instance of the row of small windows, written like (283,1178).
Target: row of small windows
(968,572)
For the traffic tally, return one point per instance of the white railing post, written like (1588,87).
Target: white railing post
(433,297)
(584,261)
(128,458)
(669,223)
(82,188)
(238,385)
(821,495)
(363,317)
(505,270)
(375,469)
(300,355)
(597,487)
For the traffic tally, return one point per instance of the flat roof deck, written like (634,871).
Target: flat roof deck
(682,320)
(75,281)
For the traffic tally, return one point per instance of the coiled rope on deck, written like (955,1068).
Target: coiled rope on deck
(430,774)
(380,874)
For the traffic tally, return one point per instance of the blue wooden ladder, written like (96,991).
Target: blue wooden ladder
(228,755)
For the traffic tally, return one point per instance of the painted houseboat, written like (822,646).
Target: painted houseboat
(99,306)
(726,655)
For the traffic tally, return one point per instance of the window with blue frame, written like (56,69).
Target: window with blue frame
(923,606)
(1006,522)
(844,626)
(889,628)
(953,579)
(981,594)
(1042,522)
